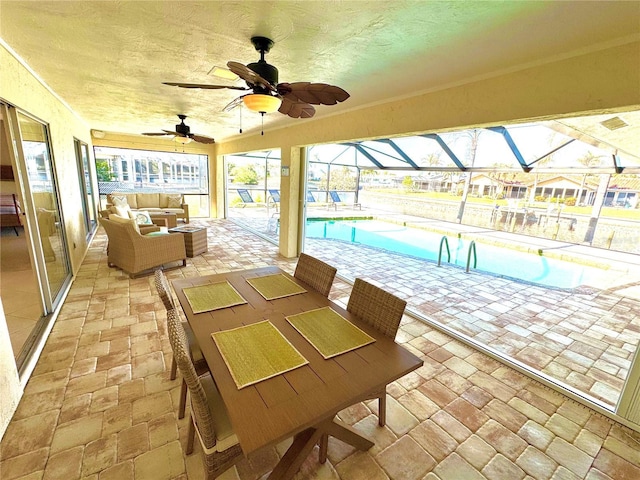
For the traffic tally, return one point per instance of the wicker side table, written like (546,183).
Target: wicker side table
(195,239)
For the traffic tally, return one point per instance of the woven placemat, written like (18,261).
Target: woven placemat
(256,352)
(329,332)
(214,296)
(275,286)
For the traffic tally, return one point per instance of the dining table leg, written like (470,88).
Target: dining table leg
(304,442)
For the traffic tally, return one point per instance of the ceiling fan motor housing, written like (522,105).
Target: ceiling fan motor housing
(266,71)
(182,127)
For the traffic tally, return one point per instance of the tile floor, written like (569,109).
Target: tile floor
(100,406)
(18,288)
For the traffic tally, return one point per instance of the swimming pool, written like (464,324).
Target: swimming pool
(424,244)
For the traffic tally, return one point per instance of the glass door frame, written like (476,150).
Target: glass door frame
(89,210)
(49,301)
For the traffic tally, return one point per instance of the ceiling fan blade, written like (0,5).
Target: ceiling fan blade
(174,133)
(156,134)
(201,138)
(296,109)
(249,75)
(204,86)
(233,104)
(314,93)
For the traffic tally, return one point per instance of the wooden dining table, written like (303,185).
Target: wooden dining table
(302,403)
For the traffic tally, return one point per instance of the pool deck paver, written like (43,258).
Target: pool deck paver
(584,337)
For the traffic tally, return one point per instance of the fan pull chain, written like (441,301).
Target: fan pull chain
(240,118)
(262,129)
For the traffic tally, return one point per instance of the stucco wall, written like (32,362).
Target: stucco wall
(19,87)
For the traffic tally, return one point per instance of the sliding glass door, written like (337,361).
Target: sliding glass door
(32,164)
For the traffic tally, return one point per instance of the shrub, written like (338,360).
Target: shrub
(540,198)
(570,201)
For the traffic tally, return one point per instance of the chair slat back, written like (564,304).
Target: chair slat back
(199,404)
(315,273)
(377,307)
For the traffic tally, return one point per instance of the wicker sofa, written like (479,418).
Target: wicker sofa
(135,253)
(151,202)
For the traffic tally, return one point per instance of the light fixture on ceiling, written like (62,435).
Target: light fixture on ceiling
(97,133)
(182,140)
(261,103)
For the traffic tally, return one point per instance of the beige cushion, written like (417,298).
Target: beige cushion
(145,200)
(122,211)
(170,200)
(119,200)
(175,200)
(131,198)
(123,220)
(225,436)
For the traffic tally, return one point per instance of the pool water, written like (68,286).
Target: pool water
(424,244)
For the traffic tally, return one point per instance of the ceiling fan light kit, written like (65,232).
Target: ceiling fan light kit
(182,140)
(261,103)
(267,95)
(182,134)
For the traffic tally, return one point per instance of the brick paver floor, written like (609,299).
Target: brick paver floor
(100,404)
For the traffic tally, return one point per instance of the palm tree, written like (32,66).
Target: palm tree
(588,160)
(553,141)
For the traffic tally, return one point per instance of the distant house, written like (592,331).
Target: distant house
(622,191)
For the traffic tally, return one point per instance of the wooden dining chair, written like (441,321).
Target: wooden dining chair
(315,273)
(164,290)
(209,418)
(383,311)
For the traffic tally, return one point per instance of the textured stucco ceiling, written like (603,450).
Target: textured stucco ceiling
(107,59)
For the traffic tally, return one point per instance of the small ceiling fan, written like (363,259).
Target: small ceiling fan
(267,95)
(182,133)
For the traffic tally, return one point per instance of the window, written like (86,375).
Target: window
(126,170)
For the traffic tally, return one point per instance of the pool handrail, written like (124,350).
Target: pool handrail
(472,246)
(444,241)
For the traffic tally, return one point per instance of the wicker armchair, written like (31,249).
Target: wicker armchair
(199,363)
(383,311)
(315,273)
(135,253)
(220,448)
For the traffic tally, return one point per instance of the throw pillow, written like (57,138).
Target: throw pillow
(119,219)
(175,201)
(141,217)
(121,210)
(119,201)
